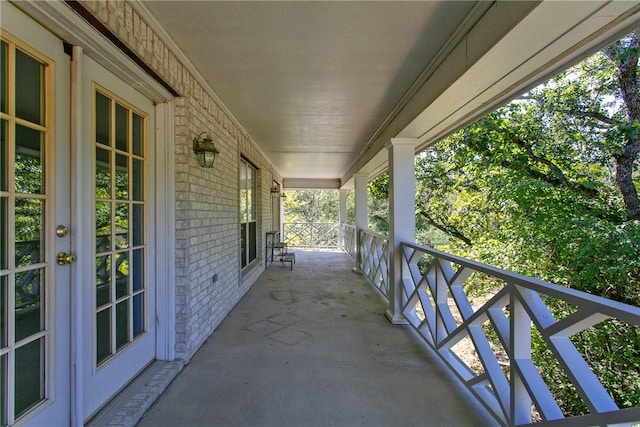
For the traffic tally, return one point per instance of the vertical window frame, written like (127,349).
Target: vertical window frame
(248,195)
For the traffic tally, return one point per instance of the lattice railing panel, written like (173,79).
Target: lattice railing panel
(311,234)
(374,252)
(349,239)
(489,346)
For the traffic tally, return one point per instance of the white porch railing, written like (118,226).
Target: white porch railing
(349,239)
(311,234)
(488,345)
(375,259)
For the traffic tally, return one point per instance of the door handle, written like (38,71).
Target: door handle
(66,258)
(62,231)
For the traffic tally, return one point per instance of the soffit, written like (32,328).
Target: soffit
(311,81)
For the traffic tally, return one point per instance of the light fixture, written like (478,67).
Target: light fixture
(275,191)
(205,150)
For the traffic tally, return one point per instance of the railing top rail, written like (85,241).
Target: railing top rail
(602,305)
(306,223)
(375,234)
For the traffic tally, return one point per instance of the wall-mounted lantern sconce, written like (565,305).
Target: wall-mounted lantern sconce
(275,191)
(205,150)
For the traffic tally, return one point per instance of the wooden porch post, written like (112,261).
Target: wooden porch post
(402,217)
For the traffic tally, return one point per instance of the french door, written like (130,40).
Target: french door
(119,302)
(34,224)
(77,272)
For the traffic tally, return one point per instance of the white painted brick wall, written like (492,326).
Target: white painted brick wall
(207,239)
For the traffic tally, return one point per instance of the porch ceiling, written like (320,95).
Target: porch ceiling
(321,86)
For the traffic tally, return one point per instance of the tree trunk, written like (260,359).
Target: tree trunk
(625,54)
(624,180)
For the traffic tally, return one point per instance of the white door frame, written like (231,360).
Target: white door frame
(78,170)
(165,223)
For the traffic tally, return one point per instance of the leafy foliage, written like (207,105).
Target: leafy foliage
(378,204)
(311,206)
(532,187)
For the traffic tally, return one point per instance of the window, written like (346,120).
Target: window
(248,223)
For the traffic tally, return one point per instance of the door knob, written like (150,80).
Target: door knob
(62,231)
(66,258)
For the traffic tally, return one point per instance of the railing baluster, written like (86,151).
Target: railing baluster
(520,350)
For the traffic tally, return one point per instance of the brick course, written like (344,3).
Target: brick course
(207,239)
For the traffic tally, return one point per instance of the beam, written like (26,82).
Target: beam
(310,184)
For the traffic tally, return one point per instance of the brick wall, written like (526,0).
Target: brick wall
(207,240)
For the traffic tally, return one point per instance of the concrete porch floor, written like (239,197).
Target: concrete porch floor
(312,347)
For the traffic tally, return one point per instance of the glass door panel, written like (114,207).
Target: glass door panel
(29,376)
(29,83)
(25,270)
(4,77)
(119,223)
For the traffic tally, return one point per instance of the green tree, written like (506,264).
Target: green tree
(542,186)
(311,206)
(378,204)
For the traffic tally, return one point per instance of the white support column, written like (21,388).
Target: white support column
(342,218)
(78,171)
(362,214)
(166,232)
(281,217)
(402,216)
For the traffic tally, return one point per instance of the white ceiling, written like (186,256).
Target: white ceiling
(320,86)
(310,81)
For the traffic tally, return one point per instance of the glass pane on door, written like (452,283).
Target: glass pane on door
(120,197)
(29,380)
(4,154)
(29,173)
(4,76)
(29,83)
(29,223)
(28,304)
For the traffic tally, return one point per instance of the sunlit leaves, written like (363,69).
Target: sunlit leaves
(311,206)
